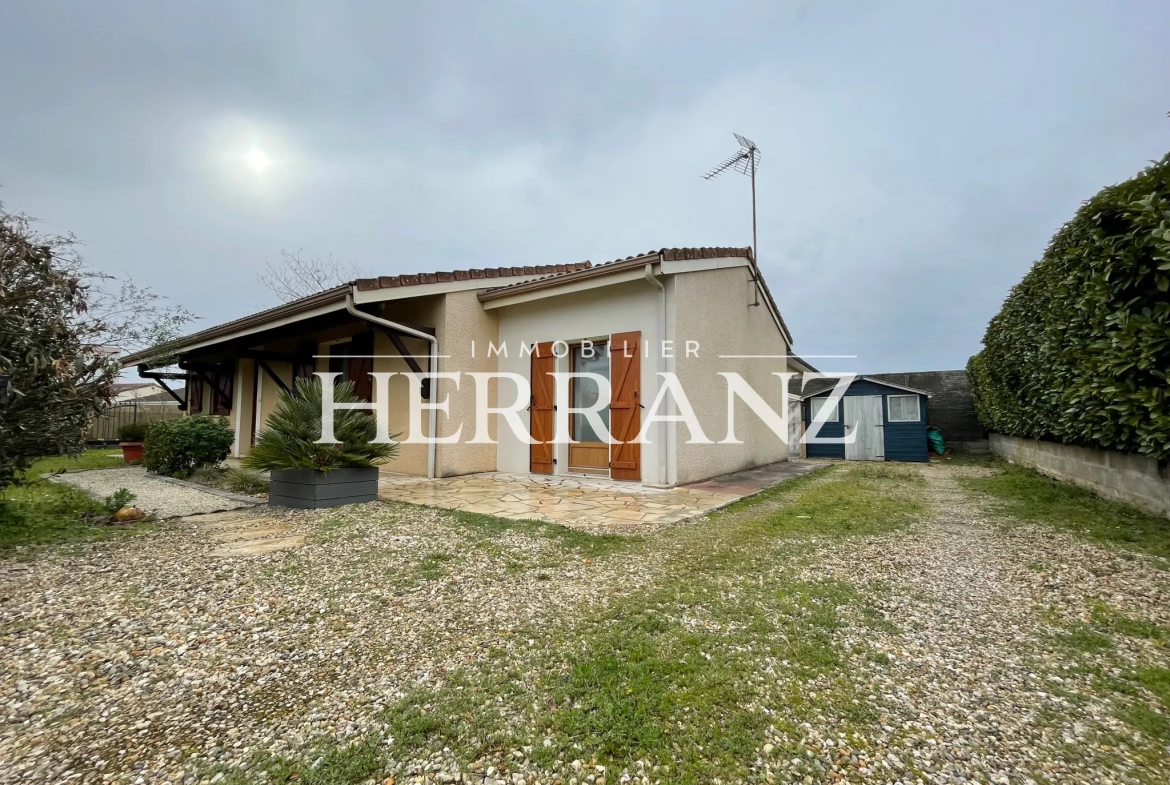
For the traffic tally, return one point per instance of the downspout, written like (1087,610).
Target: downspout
(432,367)
(661,362)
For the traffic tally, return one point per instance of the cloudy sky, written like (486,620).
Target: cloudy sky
(917,155)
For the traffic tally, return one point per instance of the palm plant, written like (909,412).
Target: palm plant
(289,442)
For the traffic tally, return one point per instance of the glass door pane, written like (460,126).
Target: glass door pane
(592,359)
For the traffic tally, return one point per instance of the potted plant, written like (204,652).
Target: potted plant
(309,475)
(130,438)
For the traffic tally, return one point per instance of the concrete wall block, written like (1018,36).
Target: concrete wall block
(1133,479)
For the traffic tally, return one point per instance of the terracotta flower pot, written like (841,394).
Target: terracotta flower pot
(131,451)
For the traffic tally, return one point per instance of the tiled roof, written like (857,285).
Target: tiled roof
(667,254)
(547,271)
(473,274)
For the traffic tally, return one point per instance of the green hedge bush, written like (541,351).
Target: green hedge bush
(178,447)
(1080,351)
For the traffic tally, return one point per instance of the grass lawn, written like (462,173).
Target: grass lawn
(1031,497)
(43,512)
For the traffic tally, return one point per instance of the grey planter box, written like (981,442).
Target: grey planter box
(310,489)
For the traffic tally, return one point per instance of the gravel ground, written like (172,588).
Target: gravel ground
(147,661)
(977,689)
(151,661)
(162,498)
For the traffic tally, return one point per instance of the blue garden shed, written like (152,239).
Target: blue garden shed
(889,419)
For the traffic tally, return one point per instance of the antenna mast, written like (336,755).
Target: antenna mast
(745,162)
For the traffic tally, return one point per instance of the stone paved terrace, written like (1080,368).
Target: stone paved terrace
(585,502)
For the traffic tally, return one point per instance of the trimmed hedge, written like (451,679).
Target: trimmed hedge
(1080,351)
(178,447)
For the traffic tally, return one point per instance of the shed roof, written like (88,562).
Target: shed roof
(824,386)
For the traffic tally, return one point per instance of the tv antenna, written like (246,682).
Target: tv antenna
(745,162)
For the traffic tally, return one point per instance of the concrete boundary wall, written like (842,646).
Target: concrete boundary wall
(1134,479)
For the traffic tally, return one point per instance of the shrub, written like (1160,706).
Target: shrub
(235,480)
(178,447)
(245,481)
(132,432)
(117,500)
(1080,351)
(289,442)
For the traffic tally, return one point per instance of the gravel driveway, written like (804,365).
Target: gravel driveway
(149,661)
(164,498)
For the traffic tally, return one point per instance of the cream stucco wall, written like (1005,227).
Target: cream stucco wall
(243,397)
(592,314)
(713,308)
(422,311)
(464,334)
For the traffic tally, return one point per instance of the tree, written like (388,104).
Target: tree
(298,276)
(58,330)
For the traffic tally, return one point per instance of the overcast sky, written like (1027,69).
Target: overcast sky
(917,156)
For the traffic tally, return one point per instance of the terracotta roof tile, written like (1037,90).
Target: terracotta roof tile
(474,274)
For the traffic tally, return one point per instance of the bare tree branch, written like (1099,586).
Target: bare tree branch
(299,276)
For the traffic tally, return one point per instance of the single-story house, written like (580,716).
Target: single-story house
(691,311)
(124,392)
(889,421)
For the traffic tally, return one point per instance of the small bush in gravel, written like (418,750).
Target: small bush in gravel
(117,500)
(235,480)
(178,447)
(245,481)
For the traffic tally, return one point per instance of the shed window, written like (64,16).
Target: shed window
(815,406)
(904,408)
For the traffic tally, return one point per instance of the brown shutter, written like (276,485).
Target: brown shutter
(540,455)
(361,365)
(221,396)
(194,395)
(305,365)
(625,404)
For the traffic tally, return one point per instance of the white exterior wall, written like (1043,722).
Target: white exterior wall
(713,308)
(591,314)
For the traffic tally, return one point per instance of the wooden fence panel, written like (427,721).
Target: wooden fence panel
(104,428)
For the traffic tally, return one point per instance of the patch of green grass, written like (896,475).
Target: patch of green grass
(1105,618)
(100,458)
(433,566)
(326,764)
(1083,638)
(1031,497)
(488,527)
(44,512)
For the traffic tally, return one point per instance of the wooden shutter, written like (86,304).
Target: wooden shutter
(221,396)
(540,454)
(194,395)
(361,364)
(305,365)
(625,405)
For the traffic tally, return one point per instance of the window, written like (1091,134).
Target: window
(816,404)
(904,408)
(583,393)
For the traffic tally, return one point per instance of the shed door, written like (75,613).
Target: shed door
(540,410)
(625,404)
(863,415)
(795,427)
